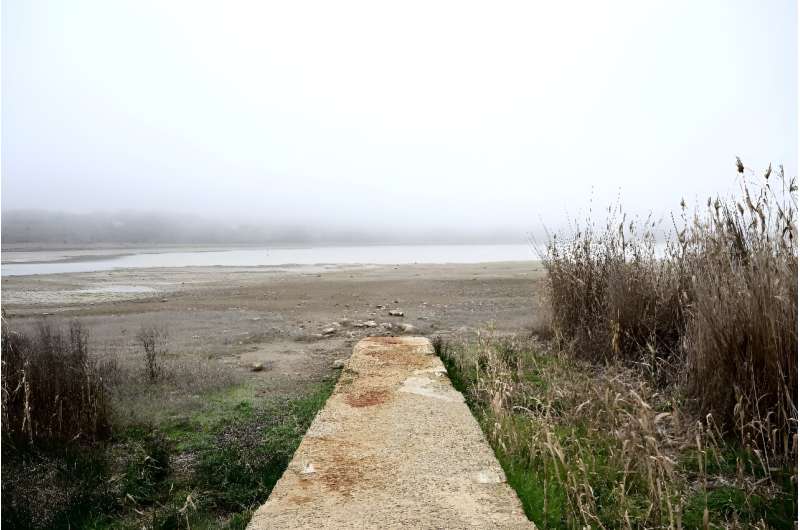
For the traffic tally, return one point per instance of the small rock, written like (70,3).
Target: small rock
(359,324)
(308,469)
(164,300)
(344,322)
(370,324)
(338,364)
(256,367)
(395,313)
(380,306)
(407,328)
(386,325)
(329,331)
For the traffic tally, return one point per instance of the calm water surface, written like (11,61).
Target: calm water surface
(25,263)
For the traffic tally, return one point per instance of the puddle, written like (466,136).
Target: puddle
(118,289)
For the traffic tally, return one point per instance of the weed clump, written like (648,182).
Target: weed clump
(52,390)
(153,340)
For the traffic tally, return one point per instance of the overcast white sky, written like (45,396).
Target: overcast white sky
(419,114)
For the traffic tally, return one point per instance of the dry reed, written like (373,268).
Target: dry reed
(713,312)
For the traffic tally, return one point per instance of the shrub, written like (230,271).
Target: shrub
(154,344)
(51,388)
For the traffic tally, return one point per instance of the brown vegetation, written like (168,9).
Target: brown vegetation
(52,390)
(602,447)
(715,312)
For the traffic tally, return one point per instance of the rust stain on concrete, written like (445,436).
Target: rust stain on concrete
(367,398)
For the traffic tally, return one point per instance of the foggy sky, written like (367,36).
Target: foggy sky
(414,115)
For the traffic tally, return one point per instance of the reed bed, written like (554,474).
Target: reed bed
(711,310)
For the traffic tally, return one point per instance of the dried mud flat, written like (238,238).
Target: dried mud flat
(294,321)
(395,446)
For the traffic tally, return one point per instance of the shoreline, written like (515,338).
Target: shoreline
(47,262)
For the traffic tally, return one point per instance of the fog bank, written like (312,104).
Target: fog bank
(161,228)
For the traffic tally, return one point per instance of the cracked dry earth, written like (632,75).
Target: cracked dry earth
(394,447)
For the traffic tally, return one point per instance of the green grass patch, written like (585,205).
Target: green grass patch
(209,467)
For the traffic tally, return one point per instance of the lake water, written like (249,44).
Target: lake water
(48,262)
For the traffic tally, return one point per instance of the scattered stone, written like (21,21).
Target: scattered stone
(407,328)
(329,331)
(380,306)
(359,324)
(344,322)
(338,364)
(256,367)
(371,324)
(395,313)
(386,325)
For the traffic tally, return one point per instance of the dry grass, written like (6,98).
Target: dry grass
(741,340)
(52,390)
(153,340)
(713,313)
(180,387)
(601,447)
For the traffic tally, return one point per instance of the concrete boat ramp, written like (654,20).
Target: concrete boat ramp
(394,447)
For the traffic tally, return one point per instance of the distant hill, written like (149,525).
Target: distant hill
(155,228)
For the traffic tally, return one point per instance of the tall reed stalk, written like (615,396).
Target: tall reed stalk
(714,312)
